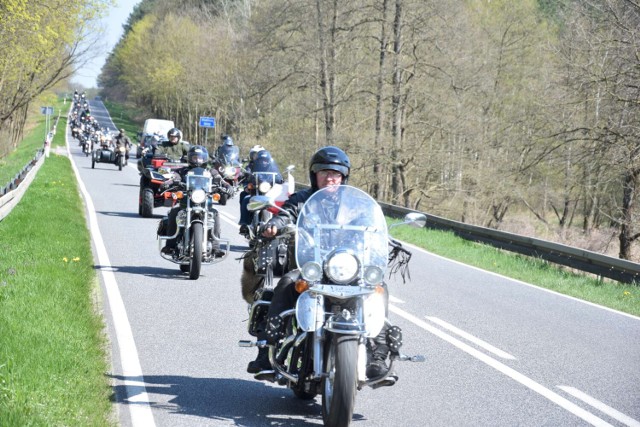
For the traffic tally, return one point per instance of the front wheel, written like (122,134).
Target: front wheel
(196,254)
(223,199)
(339,391)
(120,162)
(93,161)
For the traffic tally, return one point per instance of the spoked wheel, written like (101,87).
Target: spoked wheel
(339,391)
(196,255)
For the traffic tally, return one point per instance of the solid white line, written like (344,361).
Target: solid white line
(141,414)
(467,336)
(500,367)
(625,419)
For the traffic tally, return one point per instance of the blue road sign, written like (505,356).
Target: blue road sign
(207,122)
(46,110)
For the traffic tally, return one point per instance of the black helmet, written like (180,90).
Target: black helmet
(226,140)
(197,156)
(174,132)
(331,158)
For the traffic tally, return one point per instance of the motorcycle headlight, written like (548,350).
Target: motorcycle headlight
(373,275)
(264,187)
(311,271)
(342,267)
(198,196)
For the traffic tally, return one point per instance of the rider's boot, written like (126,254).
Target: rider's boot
(388,341)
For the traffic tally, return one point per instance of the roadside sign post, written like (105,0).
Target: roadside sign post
(47,111)
(206,123)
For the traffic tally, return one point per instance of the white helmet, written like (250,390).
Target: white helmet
(254,151)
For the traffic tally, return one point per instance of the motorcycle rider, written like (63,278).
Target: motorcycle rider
(329,166)
(174,148)
(263,162)
(227,141)
(197,157)
(123,140)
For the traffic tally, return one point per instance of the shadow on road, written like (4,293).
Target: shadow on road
(155,272)
(244,403)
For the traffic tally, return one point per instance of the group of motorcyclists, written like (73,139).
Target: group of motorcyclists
(89,132)
(329,167)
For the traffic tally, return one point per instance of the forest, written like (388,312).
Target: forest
(491,112)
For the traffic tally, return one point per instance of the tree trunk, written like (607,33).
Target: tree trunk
(628,201)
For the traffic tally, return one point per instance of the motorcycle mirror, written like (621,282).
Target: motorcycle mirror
(257,203)
(414,219)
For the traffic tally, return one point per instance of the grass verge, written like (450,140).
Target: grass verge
(52,344)
(615,295)
(33,141)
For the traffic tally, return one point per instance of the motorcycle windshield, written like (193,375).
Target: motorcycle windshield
(336,224)
(266,171)
(229,155)
(199,179)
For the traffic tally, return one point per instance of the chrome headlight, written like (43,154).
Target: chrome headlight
(373,275)
(311,271)
(198,196)
(342,267)
(264,187)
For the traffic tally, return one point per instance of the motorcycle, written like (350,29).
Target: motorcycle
(154,172)
(342,250)
(227,162)
(107,152)
(197,234)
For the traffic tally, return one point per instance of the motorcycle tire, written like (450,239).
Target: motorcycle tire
(339,387)
(195,263)
(93,162)
(120,163)
(146,202)
(223,199)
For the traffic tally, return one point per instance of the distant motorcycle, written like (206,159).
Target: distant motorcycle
(197,233)
(227,162)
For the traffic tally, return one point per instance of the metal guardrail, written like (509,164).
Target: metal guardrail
(13,191)
(579,259)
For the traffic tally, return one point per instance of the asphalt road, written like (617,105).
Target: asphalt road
(499,352)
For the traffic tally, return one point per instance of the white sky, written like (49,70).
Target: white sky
(116,17)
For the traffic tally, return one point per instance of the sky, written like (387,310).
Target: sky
(112,22)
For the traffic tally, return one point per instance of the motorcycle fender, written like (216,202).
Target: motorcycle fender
(310,311)
(374,313)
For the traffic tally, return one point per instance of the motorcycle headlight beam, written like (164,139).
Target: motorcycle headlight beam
(198,196)
(264,187)
(342,267)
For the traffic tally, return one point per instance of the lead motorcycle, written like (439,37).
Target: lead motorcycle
(197,232)
(342,250)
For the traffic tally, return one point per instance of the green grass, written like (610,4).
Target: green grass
(13,163)
(615,295)
(125,117)
(52,344)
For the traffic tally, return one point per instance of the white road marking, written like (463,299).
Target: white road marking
(625,419)
(141,414)
(467,336)
(395,300)
(504,369)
